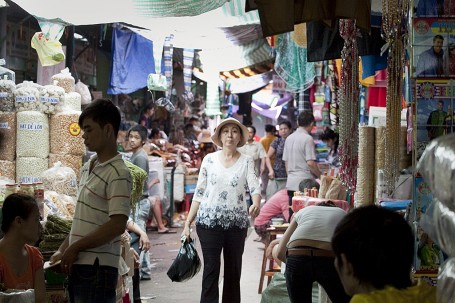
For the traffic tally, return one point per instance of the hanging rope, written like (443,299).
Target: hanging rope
(393,13)
(348,101)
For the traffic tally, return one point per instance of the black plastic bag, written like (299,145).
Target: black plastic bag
(187,263)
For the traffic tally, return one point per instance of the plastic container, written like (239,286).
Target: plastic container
(27,189)
(10,189)
(5,73)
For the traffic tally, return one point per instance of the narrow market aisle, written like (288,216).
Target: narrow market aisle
(164,249)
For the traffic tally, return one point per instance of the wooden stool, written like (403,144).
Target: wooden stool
(269,271)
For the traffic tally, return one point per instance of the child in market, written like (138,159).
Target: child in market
(374,249)
(21,264)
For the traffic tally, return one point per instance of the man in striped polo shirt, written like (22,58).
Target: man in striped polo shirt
(90,254)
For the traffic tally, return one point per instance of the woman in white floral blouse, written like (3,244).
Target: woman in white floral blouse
(220,210)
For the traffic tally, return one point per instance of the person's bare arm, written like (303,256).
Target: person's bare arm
(255,208)
(58,254)
(268,162)
(314,168)
(284,241)
(39,286)
(103,234)
(263,163)
(191,216)
(144,241)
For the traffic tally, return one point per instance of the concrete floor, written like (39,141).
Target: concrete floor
(164,249)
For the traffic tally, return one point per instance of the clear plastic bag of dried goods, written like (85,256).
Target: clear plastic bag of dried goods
(446,282)
(437,166)
(187,263)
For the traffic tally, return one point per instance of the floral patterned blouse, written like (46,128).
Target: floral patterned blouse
(279,168)
(221,192)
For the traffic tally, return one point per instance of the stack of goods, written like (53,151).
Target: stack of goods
(67,145)
(7,123)
(32,146)
(365,172)
(66,142)
(28,136)
(56,230)
(8,145)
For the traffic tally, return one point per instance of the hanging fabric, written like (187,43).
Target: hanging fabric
(175,8)
(291,64)
(187,95)
(168,52)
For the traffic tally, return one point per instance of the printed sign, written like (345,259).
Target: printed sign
(31,126)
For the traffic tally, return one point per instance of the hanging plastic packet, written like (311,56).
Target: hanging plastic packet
(52,28)
(49,52)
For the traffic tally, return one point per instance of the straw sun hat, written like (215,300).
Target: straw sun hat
(243,129)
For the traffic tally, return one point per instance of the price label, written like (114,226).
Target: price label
(4,125)
(23,99)
(30,179)
(4,94)
(31,126)
(52,100)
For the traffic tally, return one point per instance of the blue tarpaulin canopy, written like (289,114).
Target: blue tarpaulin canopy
(132,61)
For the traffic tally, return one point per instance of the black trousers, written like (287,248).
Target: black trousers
(302,271)
(232,244)
(290,195)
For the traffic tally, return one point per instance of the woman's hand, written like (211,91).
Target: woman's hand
(186,230)
(254,211)
(271,175)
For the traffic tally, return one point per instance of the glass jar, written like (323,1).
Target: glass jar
(10,189)
(27,189)
(39,197)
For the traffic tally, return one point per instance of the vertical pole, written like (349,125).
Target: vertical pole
(70,48)
(3,34)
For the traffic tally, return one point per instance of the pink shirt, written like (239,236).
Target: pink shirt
(277,204)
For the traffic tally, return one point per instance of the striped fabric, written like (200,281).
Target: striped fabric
(175,8)
(168,71)
(102,193)
(188,55)
(212,104)
(237,8)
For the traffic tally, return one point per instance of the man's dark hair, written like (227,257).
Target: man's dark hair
(305,118)
(253,128)
(102,112)
(142,130)
(269,128)
(441,102)
(378,243)
(17,205)
(155,131)
(438,37)
(308,183)
(287,123)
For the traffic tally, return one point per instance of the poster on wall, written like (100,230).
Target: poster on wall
(433,47)
(434,8)
(434,110)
